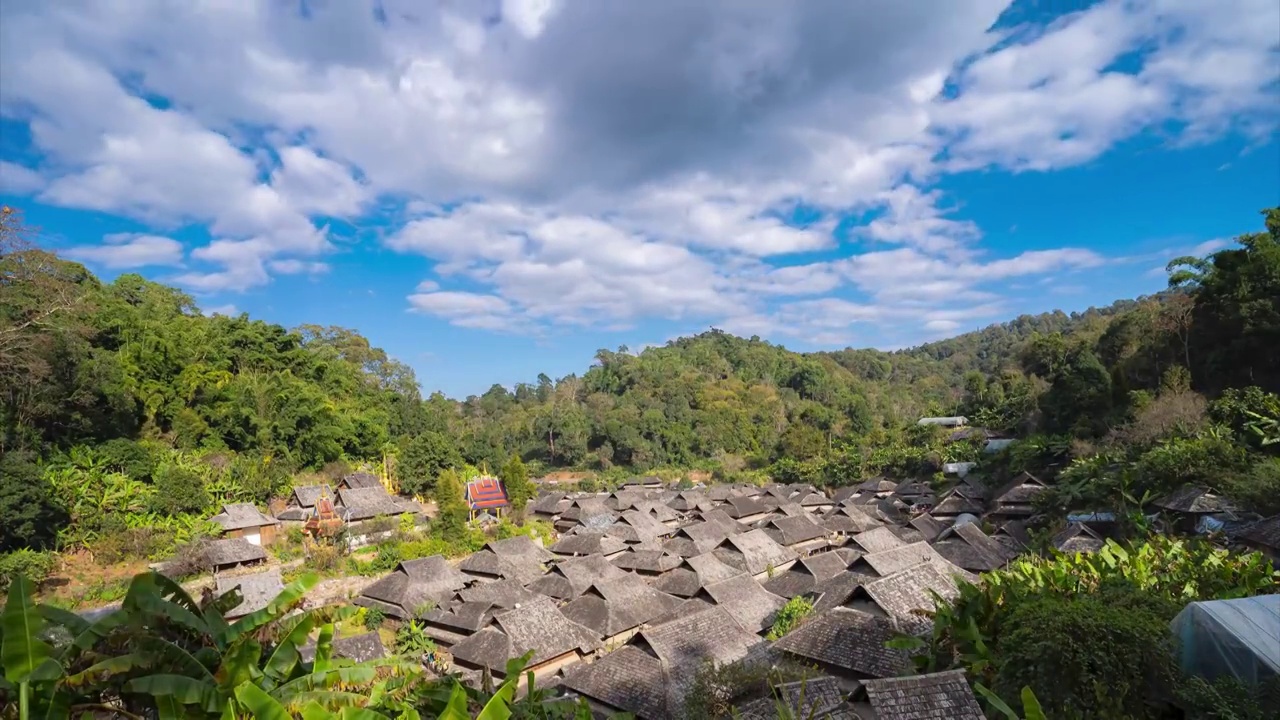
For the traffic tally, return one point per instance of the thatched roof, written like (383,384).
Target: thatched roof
(876,540)
(938,696)
(751,605)
(239,516)
(571,577)
(754,552)
(850,640)
(538,626)
(588,542)
(257,589)
(627,679)
(232,551)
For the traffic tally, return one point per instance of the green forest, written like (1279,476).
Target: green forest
(122,405)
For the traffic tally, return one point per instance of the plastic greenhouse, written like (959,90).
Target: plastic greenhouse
(1236,638)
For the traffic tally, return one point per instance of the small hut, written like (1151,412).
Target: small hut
(486,494)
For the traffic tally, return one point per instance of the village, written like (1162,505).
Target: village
(645,584)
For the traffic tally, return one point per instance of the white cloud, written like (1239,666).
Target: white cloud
(1209,246)
(694,167)
(128,250)
(19,179)
(228,310)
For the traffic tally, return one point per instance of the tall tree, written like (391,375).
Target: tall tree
(452,503)
(515,477)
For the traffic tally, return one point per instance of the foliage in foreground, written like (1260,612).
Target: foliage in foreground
(164,655)
(1088,634)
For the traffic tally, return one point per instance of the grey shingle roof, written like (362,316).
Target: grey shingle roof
(795,530)
(627,679)
(258,589)
(463,617)
(967,547)
(684,643)
(808,573)
(850,519)
(835,592)
(506,593)
(751,605)
(538,626)
(814,499)
(887,562)
(939,696)
(957,504)
(413,582)
(238,516)
(588,542)
(1077,538)
(658,511)
(651,562)
(695,573)
(307,496)
(1190,499)
(552,503)
(929,526)
(741,507)
(636,526)
(691,500)
(571,577)
(754,552)
(696,538)
(1264,533)
(520,547)
(360,480)
(615,606)
(362,503)
(819,697)
(906,594)
(876,540)
(356,648)
(231,551)
(848,639)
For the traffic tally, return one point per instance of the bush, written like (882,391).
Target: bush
(1256,489)
(29,508)
(324,558)
(790,616)
(129,457)
(34,565)
(179,490)
(188,560)
(1227,699)
(373,618)
(412,640)
(1104,655)
(131,544)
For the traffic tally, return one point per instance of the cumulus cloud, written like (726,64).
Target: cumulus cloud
(596,164)
(121,251)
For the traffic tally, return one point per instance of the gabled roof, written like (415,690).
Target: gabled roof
(636,526)
(356,648)
(741,507)
(911,489)
(614,606)
(695,573)
(258,589)
(819,697)
(1191,499)
(538,626)
(966,546)
(814,499)
(503,594)
(794,530)
(685,642)
(658,511)
(232,551)
(238,516)
(877,540)
(360,480)
(367,502)
(1264,533)
(849,519)
(929,526)
(850,640)
(696,539)
(486,492)
(691,500)
(307,495)
(413,582)
(923,697)
(888,562)
(646,561)
(956,503)
(754,552)
(1077,538)
(1021,490)
(520,547)
(906,594)
(751,605)
(588,542)
(627,679)
(835,592)
(571,577)
(552,503)
(464,617)
(488,564)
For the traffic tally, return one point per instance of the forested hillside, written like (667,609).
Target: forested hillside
(128,380)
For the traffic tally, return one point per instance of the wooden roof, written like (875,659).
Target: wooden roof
(938,696)
(848,639)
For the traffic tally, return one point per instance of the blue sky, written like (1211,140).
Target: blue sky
(492,190)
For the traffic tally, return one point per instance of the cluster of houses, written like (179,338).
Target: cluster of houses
(647,583)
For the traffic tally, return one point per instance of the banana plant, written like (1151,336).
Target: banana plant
(1030,704)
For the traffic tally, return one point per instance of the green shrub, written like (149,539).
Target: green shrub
(179,490)
(131,544)
(373,618)
(36,566)
(324,558)
(1228,699)
(1104,655)
(1256,489)
(789,616)
(412,640)
(129,457)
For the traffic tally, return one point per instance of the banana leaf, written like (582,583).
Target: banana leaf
(261,704)
(24,655)
(281,605)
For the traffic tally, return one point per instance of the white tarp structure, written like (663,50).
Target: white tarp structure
(1236,638)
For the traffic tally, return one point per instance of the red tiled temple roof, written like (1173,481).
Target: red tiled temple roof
(486,492)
